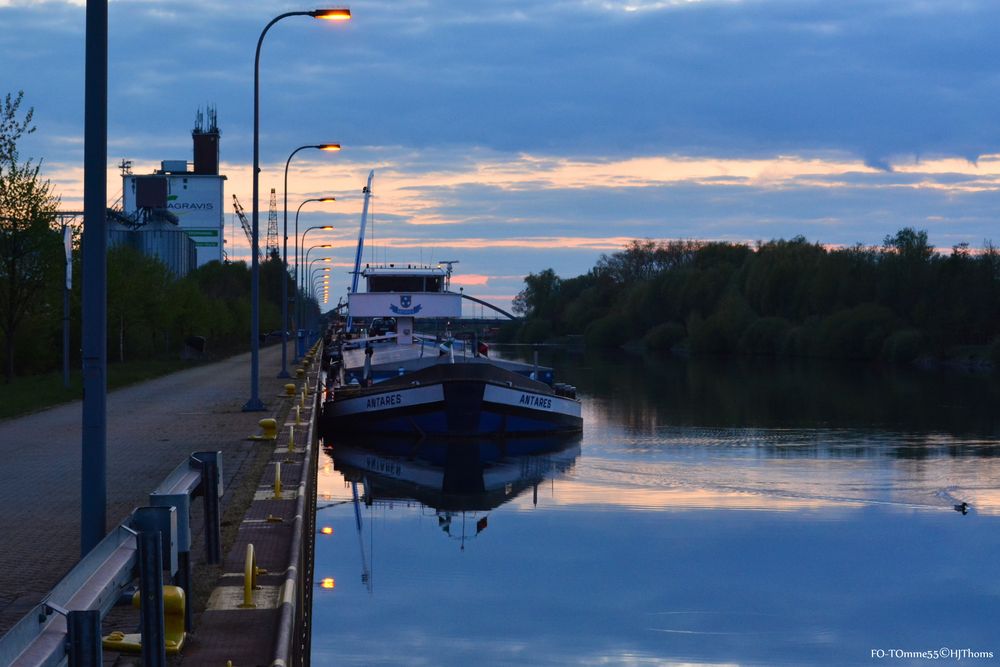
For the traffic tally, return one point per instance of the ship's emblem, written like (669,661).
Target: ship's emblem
(405,306)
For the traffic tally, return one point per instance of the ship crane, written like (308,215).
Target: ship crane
(361,242)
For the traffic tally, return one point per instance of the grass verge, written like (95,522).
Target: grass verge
(24,395)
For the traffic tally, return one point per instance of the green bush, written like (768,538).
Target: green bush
(664,337)
(903,346)
(605,333)
(766,336)
(995,355)
(507,332)
(855,333)
(720,332)
(535,331)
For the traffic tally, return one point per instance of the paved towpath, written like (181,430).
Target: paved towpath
(152,427)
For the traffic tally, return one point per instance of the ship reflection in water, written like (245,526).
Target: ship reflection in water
(460,480)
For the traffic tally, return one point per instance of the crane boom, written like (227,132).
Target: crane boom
(361,242)
(241,214)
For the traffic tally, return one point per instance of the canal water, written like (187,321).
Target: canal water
(713,512)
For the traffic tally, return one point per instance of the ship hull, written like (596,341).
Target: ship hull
(461,400)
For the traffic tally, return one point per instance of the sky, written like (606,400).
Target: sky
(516,136)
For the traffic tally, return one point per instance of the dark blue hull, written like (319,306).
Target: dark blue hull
(453,401)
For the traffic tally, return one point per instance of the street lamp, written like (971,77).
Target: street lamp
(255,404)
(312,293)
(315,275)
(318,259)
(308,263)
(284,254)
(328,228)
(297,211)
(304,273)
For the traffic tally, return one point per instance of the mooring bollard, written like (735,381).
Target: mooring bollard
(289,389)
(250,572)
(300,372)
(174,633)
(277,480)
(270,428)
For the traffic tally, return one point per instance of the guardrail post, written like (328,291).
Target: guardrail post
(84,648)
(183,579)
(154,652)
(211,473)
(182,502)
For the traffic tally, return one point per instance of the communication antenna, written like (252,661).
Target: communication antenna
(447,279)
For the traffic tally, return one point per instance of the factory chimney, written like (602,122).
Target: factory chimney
(206,142)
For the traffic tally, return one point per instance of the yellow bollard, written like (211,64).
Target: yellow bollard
(250,572)
(277,480)
(305,390)
(289,389)
(300,372)
(298,416)
(291,438)
(302,399)
(173,625)
(270,428)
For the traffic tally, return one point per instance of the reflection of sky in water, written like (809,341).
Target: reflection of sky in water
(698,545)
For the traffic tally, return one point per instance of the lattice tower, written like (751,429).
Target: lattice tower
(271,248)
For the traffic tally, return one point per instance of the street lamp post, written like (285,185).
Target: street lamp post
(94,426)
(325,245)
(318,259)
(298,308)
(321,296)
(312,292)
(313,274)
(255,404)
(284,261)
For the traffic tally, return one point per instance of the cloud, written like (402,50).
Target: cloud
(527,134)
(874,79)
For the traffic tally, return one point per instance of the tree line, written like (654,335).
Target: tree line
(151,312)
(900,301)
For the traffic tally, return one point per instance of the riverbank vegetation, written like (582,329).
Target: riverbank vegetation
(900,302)
(152,314)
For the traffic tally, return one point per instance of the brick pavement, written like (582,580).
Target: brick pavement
(152,427)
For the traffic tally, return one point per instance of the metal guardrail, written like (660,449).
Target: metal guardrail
(200,475)
(293,596)
(66,626)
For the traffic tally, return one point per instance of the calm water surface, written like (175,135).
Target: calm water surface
(713,512)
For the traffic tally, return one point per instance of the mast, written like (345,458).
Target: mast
(361,242)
